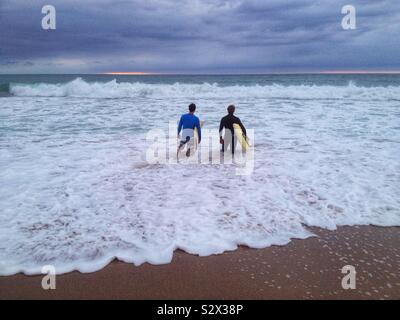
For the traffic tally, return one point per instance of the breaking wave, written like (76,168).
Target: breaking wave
(114,89)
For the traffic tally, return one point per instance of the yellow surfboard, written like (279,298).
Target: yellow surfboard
(240,136)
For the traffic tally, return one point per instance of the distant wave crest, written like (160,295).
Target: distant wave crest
(114,89)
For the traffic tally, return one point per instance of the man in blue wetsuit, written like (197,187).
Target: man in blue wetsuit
(187,124)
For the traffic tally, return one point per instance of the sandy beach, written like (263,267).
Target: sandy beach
(303,269)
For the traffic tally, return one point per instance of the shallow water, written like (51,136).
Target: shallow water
(76,190)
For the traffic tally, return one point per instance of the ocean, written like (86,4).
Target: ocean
(77,192)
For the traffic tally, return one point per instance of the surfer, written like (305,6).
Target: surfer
(187,124)
(227,123)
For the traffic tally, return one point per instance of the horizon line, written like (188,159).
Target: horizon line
(262,73)
(139,73)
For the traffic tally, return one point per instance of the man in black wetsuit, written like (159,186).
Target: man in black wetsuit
(227,123)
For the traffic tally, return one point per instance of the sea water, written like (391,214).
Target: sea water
(76,191)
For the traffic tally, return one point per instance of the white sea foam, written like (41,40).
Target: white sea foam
(114,89)
(76,192)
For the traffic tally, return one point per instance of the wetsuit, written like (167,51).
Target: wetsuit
(227,123)
(187,124)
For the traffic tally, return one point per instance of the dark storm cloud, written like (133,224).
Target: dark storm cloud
(198,36)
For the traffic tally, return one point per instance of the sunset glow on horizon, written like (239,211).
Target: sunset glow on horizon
(129,73)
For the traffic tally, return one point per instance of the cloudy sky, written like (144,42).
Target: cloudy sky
(198,36)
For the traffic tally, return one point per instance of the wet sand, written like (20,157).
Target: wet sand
(303,269)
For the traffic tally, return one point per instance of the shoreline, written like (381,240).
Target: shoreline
(303,269)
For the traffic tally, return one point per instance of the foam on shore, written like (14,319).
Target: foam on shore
(76,192)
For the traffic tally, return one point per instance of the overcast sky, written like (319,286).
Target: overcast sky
(198,36)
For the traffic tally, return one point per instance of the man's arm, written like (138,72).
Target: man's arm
(221,127)
(180,125)
(198,128)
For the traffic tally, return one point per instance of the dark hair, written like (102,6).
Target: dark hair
(192,107)
(231,109)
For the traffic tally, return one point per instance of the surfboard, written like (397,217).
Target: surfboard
(193,145)
(240,136)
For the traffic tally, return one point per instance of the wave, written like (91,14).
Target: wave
(4,89)
(76,190)
(114,89)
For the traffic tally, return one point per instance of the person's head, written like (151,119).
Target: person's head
(192,108)
(231,109)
